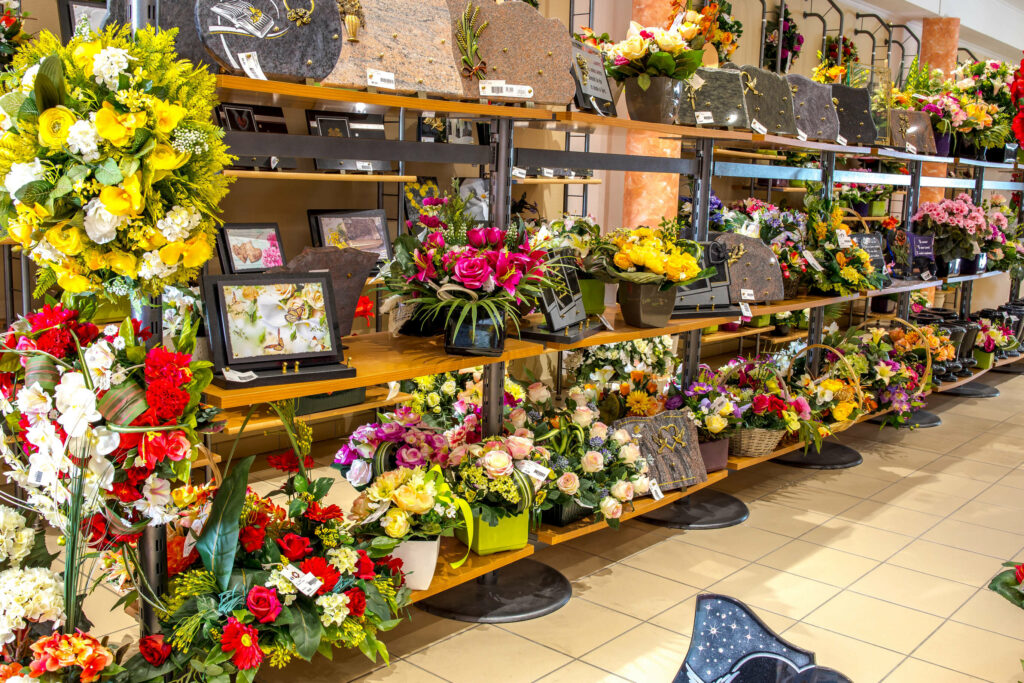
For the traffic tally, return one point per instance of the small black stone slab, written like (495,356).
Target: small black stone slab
(814,111)
(854,108)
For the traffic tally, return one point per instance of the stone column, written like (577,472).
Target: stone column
(648,197)
(940,39)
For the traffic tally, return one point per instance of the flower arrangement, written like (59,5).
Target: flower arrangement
(716,214)
(650,52)
(720,29)
(434,397)
(839,265)
(714,411)
(610,362)
(1010,583)
(406,504)
(999,230)
(12,33)
(839,51)
(112,180)
(791,41)
(641,395)
(763,398)
(56,657)
(957,224)
(792,261)
(1017,103)
(985,91)
(401,439)
(823,73)
(994,336)
(576,235)
(645,255)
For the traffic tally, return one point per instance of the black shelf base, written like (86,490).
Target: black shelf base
(921,419)
(973,390)
(1011,369)
(569,335)
(832,456)
(705,509)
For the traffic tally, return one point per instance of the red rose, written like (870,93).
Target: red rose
(395,565)
(252,538)
(154,650)
(126,492)
(294,547)
(1018,573)
(323,570)
(364,567)
(263,604)
(761,404)
(356,602)
(157,446)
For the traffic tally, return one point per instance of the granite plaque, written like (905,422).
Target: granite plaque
(593,93)
(814,111)
(769,101)
(709,296)
(874,245)
(854,108)
(754,271)
(519,47)
(669,443)
(713,97)
(181,15)
(265,39)
(911,131)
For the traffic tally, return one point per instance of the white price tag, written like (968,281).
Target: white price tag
(274,163)
(428,115)
(811,260)
(719,402)
(926,275)
(844,240)
(696,82)
(234,376)
(841,140)
(376,78)
(522,92)
(547,173)
(704,117)
(393,389)
(534,471)
(251,65)
(911,149)
(607,325)
(518,172)
(571,174)
(36,476)
(745,309)
(376,514)
(364,165)
(491,87)
(747,294)
(802,136)
(656,491)
(758,127)
(496,88)
(306,583)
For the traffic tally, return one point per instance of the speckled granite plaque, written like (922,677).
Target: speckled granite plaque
(669,443)
(911,131)
(181,15)
(769,101)
(410,39)
(754,270)
(265,39)
(813,109)
(719,94)
(854,108)
(520,47)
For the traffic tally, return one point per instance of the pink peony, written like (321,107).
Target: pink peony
(473,272)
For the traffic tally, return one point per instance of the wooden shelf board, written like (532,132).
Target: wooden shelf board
(741,154)
(1008,361)
(716,337)
(800,303)
(624,332)
(868,219)
(900,286)
(780,142)
(775,189)
(557,181)
(377,358)
(553,535)
(329,177)
(476,566)
(946,386)
(954,279)
(742,463)
(785,339)
(593,120)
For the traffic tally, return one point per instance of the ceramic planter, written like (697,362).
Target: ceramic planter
(646,305)
(975,265)
(878,208)
(782,329)
(760,321)
(862,208)
(419,560)
(731,327)
(511,533)
(710,329)
(715,454)
(486,338)
(984,358)
(947,268)
(564,515)
(593,295)
(658,104)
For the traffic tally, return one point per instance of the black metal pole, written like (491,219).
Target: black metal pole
(8,256)
(778,46)
(26,283)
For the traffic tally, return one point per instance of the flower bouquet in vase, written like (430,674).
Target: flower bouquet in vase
(714,413)
(993,338)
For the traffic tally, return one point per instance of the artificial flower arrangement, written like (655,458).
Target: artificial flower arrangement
(947,113)
(839,51)
(714,411)
(716,211)
(571,240)
(404,504)
(453,400)
(400,439)
(12,31)
(767,411)
(1016,111)
(652,52)
(930,337)
(994,336)
(720,28)
(834,397)
(984,89)
(639,395)
(957,224)
(111,161)
(782,230)
(1001,229)
(649,256)
(837,263)
(612,362)
(791,41)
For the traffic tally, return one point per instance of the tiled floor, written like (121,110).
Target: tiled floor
(881,570)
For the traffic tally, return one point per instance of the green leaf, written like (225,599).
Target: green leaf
(644,81)
(35,192)
(218,543)
(326,649)
(662,62)
(49,88)
(297,507)
(108,173)
(128,166)
(77,172)
(246,675)
(29,111)
(11,104)
(306,631)
(1005,583)
(62,187)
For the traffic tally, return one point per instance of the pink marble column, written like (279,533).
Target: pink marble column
(940,39)
(649,197)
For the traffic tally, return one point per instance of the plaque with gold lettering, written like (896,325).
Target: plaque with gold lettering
(669,443)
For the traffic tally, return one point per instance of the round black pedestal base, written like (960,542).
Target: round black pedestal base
(922,419)
(524,590)
(973,390)
(705,509)
(833,456)
(1011,369)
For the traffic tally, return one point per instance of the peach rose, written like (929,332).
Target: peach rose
(520,447)
(629,453)
(518,418)
(611,508)
(497,464)
(600,430)
(583,416)
(623,490)
(416,501)
(592,461)
(568,483)
(621,436)
(538,393)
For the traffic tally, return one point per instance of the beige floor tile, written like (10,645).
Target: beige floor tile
(575,629)
(973,651)
(680,618)
(992,612)
(977,539)
(578,671)
(647,653)
(858,539)
(948,563)
(573,563)
(939,439)
(874,621)
(421,630)
(631,591)
(909,495)
(1014,478)
(400,671)
(945,484)
(979,414)
(915,671)
(685,562)
(786,594)
(806,497)
(742,541)
(858,660)
(890,518)
(848,481)
(988,515)
(1007,496)
(346,665)
(995,448)
(970,469)
(488,653)
(615,544)
(914,589)
(889,461)
(812,561)
(782,519)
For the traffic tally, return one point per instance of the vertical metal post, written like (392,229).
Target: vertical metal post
(966,294)
(153,558)
(8,258)
(705,159)
(903,306)
(913,198)
(494,398)
(778,47)
(26,283)
(400,209)
(979,184)
(764,31)
(828,170)
(815,331)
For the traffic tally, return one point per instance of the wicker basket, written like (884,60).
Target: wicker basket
(754,443)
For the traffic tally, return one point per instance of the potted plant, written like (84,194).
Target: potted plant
(653,63)
(947,115)
(714,413)
(574,237)
(957,225)
(984,92)
(992,338)
(399,439)
(838,265)
(783,323)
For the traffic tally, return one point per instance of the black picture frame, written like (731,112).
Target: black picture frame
(227,247)
(319,231)
(71,11)
(220,333)
(255,118)
(562,305)
(347,125)
(593,91)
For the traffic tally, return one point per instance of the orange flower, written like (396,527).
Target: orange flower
(840,259)
(624,389)
(59,651)
(636,376)
(652,387)
(8,670)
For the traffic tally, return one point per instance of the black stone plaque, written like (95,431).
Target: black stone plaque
(814,111)
(769,102)
(922,255)
(345,125)
(911,131)
(254,118)
(593,93)
(708,296)
(754,271)
(854,108)
(874,245)
(713,97)
(562,304)
(669,442)
(181,14)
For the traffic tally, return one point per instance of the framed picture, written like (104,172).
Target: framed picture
(345,125)
(266,320)
(363,230)
(477,193)
(593,93)
(249,247)
(431,129)
(254,118)
(92,12)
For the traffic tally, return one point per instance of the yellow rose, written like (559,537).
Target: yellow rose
(654,262)
(669,41)
(622,261)
(118,128)
(632,48)
(122,263)
(167,116)
(72,282)
(692,17)
(197,251)
(165,158)
(715,423)
(395,523)
(84,53)
(413,500)
(171,253)
(124,199)
(54,124)
(20,232)
(688,32)
(842,411)
(68,242)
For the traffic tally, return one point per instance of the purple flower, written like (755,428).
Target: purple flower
(346,455)
(390,431)
(410,457)
(673,402)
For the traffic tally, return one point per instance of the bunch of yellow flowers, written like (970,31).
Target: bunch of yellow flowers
(653,250)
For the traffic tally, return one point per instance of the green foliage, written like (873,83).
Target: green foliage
(218,543)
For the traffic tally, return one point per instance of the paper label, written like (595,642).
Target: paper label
(844,240)
(813,262)
(926,275)
(534,471)
(547,173)
(393,389)
(36,476)
(745,309)
(376,514)
(721,400)
(704,117)
(518,172)
(656,490)
(306,583)
(677,22)
(747,294)
(571,174)
(190,543)
(364,165)
(496,88)
(235,376)
(607,325)
(841,140)
(911,149)
(380,79)
(758,127)
(251,65)
(696,82)
(428,115)
(802,136)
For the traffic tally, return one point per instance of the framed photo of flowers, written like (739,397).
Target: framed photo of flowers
(249,247)
(92,12)
(363,230)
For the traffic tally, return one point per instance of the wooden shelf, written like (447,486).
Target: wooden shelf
(328,177)
(557,181)
(476,566)
(377,358)
(624,332)
(580,119)
(1008,361)
(954,279)
(786,338)
(946,386)
(800,303)
(740,154)
(900,286)
(553,535)
(742,463)
(867,219)
(716,337)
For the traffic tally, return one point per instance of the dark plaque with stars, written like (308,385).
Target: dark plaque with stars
(669,442)
(769,102)
(730,644)
(754,272)
(815,113)
(855,121)
(713,98)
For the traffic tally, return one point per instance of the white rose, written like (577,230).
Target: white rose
(629,453)
(22,174)
(641,484)
(84,141)
(621,436)
(611,508)
(623,490)
(360,473)
(100,225)
(599,430)
(583,416)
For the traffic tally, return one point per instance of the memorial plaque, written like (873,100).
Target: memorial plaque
(593,93)
(854,108)
(346,125)
(713,98)
(181,14)
(769,101)
(911,131)
(814,111)
(754,272)
(265,39)
(562,304)
(874,245)
(255,118)
(669,443)
(709,296)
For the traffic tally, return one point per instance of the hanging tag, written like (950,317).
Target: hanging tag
(802,136)
(607,325)
(492,88)
(393,389)
(376,514)
(696,82)
(306,583)
(518,172)
(841,140)
(745,309)
(911,149)
(534,471)
(758,127)
(364,165)
(844,240)
(656,491)
(747,294)
(380,79)
(677,22)
(926,275)
(811,260)
(704,117)
(522,92)
(250,62)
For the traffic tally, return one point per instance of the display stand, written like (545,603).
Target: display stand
(832,456)
(973,390)
(707,509)
(922,419)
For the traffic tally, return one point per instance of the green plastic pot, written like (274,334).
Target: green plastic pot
(511,533)
(593,295)
(760,321)
(710,330)
(878,208)
(985,359)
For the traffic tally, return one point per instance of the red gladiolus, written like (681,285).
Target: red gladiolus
(243,641)
(154,650)
(294,547)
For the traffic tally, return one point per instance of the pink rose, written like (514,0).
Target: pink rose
(803,409)
(568,483)
(761,404)
(611,508)
(592,461)
(518,418)
(599,430)
(623,490)
(410,457)
(523,432)
(538,393)
(476,237)
(472,271)
(456,456)
(497,464)
(519,447)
